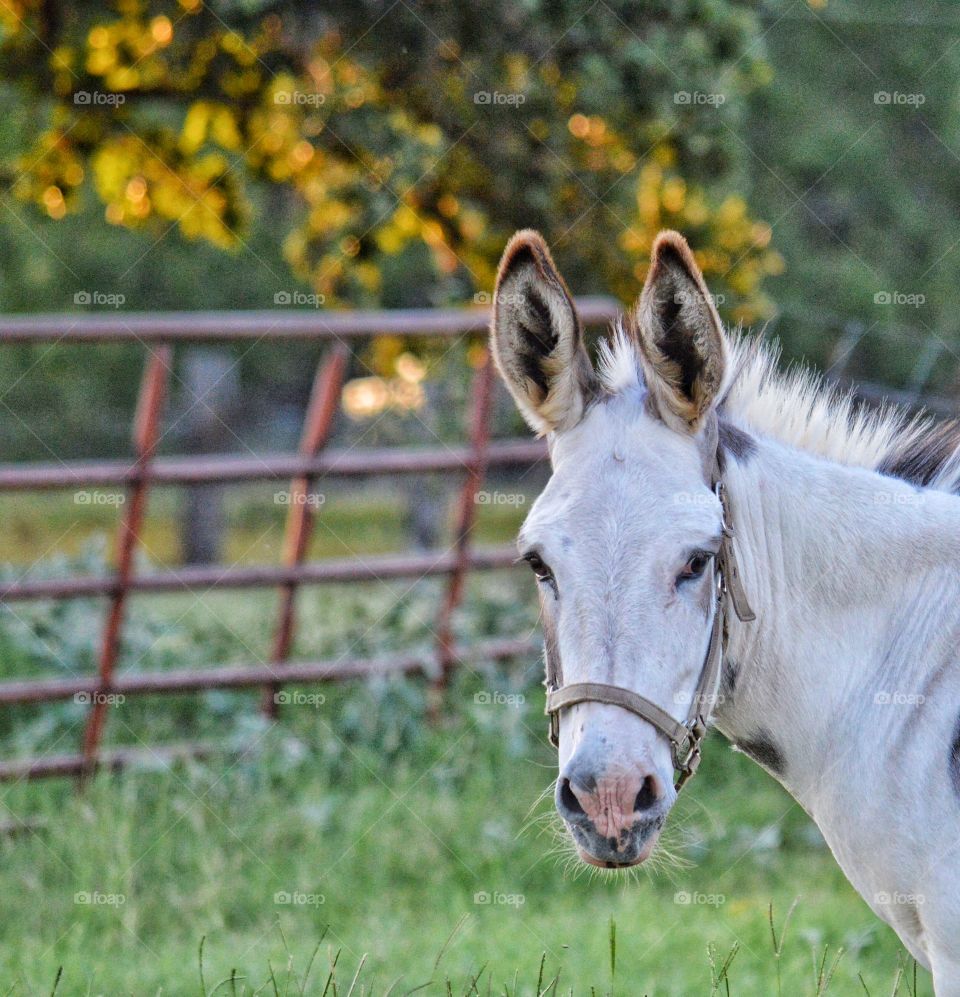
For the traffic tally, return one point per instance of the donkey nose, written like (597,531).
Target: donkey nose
(612,801)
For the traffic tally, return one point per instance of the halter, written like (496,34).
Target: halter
(685,738)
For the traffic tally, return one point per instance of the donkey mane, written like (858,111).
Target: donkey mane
(797,407)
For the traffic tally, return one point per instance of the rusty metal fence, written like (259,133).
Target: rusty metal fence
(313,462)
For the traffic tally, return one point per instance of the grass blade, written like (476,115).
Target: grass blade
(613,948)
(203,984)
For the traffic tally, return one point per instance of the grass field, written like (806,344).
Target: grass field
(36,524)
(412,855)
(430,853)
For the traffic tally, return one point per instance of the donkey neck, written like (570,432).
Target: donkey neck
(855,580)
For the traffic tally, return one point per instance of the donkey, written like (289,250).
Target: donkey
(703,504)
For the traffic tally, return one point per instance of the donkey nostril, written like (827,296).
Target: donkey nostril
(647,795)
(569,799)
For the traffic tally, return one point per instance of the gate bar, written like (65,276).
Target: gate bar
(317,426)
(249,676)
(173,327)
(204,469)
(480,409)
(233,677)
(329,571)
(145,432)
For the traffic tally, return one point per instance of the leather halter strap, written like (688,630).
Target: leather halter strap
(685,736)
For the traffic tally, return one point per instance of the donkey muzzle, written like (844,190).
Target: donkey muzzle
(614,814)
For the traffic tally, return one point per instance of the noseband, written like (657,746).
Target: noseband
(685,738)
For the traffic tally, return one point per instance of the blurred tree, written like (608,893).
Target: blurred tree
(856,148)
(411,138)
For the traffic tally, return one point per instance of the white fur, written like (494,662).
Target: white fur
(852,667)
(618,361)
(795,407)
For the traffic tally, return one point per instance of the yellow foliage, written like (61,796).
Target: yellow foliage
(368,276)
(207,121)
(415,184)
(731,248)
(136,185)
(579,125)
(162,30)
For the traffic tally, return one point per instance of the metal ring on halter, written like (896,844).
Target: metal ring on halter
(688,764)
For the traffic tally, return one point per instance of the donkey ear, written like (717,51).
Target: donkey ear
(681,340)
(536,338)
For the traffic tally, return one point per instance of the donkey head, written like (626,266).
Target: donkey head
(622,538)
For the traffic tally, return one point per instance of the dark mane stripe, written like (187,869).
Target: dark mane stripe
(734,441)
(921,458)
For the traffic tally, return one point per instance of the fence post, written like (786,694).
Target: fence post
(145,433)
(317,426)
(211,381)
(480,411)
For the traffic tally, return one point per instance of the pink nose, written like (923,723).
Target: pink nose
(612,802)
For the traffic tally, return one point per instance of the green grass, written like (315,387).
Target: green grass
(388,858)
(387,830)
(36,524)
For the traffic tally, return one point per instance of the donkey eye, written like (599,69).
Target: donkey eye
(695,567)
(539,566)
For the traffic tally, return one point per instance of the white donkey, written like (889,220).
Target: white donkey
(841,670)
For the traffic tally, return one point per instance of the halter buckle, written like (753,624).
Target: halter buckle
(725,525)
(553,730)
(688,763)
